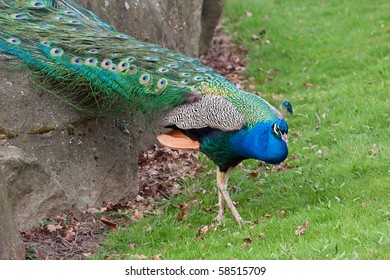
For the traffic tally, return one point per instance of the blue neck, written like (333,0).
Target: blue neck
(259,142)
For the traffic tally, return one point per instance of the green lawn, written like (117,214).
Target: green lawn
(331,60)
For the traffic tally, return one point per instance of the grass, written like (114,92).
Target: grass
(331,60)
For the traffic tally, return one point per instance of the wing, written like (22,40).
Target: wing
(212,111)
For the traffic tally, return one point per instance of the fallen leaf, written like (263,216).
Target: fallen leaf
(282,166)
(53,228)
(282,214)
(202,231)
(183,212)
(308,85)
(156,257)
(132,246)
(248,239)
(139,257)
(248,14)
(251,87)
(69,234)
(138,215)
(107,222)
(302,228)
(253,173)
(261,235)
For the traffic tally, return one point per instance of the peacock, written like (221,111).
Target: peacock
(73,54)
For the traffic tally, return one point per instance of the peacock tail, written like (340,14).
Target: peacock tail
(81,59)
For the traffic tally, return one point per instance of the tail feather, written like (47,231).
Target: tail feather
(69,48)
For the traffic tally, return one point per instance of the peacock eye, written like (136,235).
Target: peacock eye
(276,130)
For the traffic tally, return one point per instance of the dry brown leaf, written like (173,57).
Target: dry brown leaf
(107,222)
(139,257)
(282,166)
(183,212)
(302,228)
(203,230)
(248,240)
(53,228)
(69,234)
(261,235)
(253,173)
(308,85)
(248,14)
(132,246)
(282,214)
(138,215)
(156,257)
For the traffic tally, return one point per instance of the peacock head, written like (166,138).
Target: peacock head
(280,130)
(266,141)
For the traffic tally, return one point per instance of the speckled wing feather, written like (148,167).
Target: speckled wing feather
(210,111)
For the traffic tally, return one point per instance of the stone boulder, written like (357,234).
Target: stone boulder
(64,159)
(185,26)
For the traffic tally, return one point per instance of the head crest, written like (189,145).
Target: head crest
(286,109)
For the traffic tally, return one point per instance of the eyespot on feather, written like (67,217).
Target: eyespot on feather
(162,83)
(69,12)
(151,59)
(93,51)
(185,81)
(172,65)
(198,78)
(132,69)
(130,58)
(113,68)
(76,61)
(59,18)
(75,22)
(144,79)
(14,41)
(56,52)
(19,16)
(45,43)
(123,65)
(106,63)
(37,4)
(90,61)
(162,70)
(185,74)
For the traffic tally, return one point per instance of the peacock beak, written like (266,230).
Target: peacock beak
(285,137)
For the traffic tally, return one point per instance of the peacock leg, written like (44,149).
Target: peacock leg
(220,215)
(222,178)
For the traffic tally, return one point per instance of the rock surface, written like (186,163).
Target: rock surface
(185,26)
(11,245)
(77,162)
